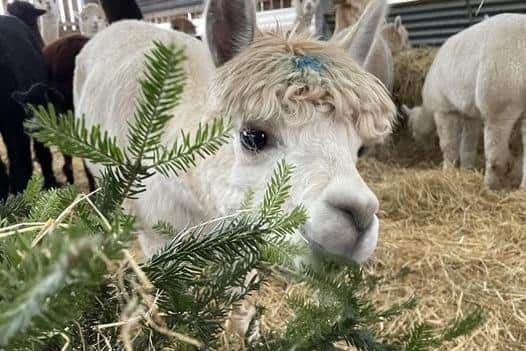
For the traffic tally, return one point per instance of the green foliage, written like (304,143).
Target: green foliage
(182,155)
(343,313)
(70,133)
(68,280)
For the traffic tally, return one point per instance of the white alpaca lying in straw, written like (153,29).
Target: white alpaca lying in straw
(50,21)
(380,60)
(91,20)
(305,12)
(290,97)
(477,78)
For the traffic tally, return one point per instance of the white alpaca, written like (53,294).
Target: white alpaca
(290,97)
(50,21)
(91,20)
(305,12)
(396,36)
(380,60)
(477,78)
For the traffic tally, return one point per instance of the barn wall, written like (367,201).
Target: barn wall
(164,10)
(431,22)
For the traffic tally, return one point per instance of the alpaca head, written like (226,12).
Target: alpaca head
(183,24)
(26,12)
(310,103)
(91,20)
(396,36)
(421,123)
(306,7)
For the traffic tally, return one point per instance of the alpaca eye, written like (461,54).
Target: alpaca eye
(362,151)
(253,140)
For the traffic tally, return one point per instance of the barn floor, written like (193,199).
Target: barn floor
(444,239)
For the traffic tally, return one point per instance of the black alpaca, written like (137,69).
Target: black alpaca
(28,14)
(24,80)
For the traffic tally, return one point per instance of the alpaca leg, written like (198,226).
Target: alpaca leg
(4,182)
(19,152)
(45,159)
(499,161)
(68,169)
(449,132)
(471,130)
(91,180)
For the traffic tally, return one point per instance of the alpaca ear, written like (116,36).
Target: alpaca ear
(398,22)
(230,27)
(359,40)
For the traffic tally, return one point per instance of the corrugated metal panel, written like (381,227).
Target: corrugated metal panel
(431,22)
(156,6)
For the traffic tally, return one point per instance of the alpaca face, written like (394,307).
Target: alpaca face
(91,20)
(421,123)
(306,7)
(307,102)
(342,209)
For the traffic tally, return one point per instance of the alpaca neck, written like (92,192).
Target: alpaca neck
(345,16)
(303,22)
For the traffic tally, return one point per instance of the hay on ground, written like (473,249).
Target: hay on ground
(411,68)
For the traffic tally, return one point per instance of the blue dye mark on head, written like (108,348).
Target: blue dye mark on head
(308,62)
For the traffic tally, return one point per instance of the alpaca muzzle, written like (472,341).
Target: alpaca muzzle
(344,223)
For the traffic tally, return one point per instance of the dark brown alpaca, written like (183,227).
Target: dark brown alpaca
(60,58)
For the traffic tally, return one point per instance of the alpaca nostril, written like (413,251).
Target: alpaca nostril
(359,210)
(361,219)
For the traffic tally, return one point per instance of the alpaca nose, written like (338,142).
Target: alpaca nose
(357,203)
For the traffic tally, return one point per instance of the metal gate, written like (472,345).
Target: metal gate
(68,10)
